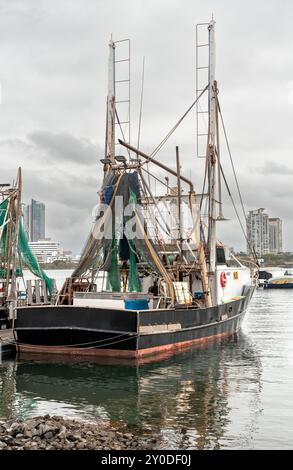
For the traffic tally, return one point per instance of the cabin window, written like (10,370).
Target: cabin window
(220,253)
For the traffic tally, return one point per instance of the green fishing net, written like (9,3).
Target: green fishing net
(24,249)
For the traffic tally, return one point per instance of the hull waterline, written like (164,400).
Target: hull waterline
(104,332)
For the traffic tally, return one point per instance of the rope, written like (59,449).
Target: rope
(91,243)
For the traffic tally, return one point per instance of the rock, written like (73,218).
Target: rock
(8,439)
(69,445)
(62,434)
(16,428)
(74,437)
(30,445)
(48,428)
(42,446)
(41,428)
(45,432)
(80,446)
(35,432)
(32,423)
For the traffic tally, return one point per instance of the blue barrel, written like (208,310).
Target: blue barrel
(136,304)
(198,295)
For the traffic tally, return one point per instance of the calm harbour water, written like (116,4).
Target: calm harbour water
(231,394)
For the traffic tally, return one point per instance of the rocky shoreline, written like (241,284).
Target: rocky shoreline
(57,433)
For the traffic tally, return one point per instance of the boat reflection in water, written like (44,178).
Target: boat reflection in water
(205,397)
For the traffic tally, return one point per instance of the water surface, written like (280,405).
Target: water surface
(231,394)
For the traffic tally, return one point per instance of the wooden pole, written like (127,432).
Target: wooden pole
(159,164)
(179,199)
(15,218)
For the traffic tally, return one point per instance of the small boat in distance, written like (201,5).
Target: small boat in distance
(280,282)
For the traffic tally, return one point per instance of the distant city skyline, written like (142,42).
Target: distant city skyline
(45,249)
(264,233)
(35,220)
(275,235)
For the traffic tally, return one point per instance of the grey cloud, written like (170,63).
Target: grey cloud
(66,147)
(53,66)
(273,193)
(273,168)
(62,171)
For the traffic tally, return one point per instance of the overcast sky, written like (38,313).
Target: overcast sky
(53,74)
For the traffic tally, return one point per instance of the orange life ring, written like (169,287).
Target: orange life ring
(223,279)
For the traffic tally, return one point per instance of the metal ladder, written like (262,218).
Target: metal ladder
(122,102)
(202,79)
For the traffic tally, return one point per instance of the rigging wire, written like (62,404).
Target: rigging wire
(236,212)
(155,177)
(121,130)
(252,249)
(231,159)
(167,231)
(162,143)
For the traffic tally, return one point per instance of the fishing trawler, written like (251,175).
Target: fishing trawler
(165,286)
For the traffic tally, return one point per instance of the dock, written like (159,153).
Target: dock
(7,344)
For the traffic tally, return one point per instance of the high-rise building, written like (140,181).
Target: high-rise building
(34,220)
(275,235)
(258,232)
(44,249)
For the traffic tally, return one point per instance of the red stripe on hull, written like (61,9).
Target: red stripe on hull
(181,345)
(119,352)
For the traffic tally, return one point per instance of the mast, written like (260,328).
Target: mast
(111,106)
(211,150)
(15,214)
(180,234)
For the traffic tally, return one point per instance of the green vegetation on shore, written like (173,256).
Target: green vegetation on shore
(281,259)
(58,264)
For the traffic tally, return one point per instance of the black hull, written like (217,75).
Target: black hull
(7,351)
(95,331)
(279,286)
